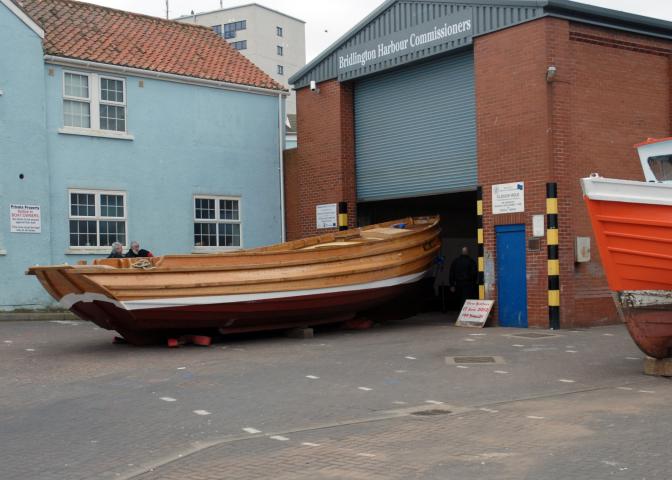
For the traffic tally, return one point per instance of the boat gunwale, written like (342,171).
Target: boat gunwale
(108,270)
(293,278)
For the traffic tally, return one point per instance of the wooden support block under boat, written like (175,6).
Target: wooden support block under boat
(658,367)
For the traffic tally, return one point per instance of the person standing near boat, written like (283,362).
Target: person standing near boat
(136,251)
(117,251)
(463,276)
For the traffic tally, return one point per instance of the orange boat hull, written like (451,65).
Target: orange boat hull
(634,239)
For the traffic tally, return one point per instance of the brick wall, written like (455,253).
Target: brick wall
(513,122)
(620,96)
(322,169)
(612,90)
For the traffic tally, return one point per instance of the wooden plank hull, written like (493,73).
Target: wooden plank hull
(632,222)
(320,280)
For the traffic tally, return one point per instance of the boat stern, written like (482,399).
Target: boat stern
(648,316)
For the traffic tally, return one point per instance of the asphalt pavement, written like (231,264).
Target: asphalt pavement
(418,398)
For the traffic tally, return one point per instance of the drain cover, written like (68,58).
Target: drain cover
(534,335)
(474,360)
(427,413)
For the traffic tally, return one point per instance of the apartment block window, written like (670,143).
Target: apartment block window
(280,50)
(242,45)
(217,222)
(217,29)
(229,29)
(93,101)
(278,31)
(281,70)
(97,218)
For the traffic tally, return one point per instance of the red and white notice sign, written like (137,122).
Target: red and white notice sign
(25,218)
(474,313)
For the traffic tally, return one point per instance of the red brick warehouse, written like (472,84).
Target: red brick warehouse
(422,102)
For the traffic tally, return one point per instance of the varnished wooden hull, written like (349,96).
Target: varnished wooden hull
(309,282)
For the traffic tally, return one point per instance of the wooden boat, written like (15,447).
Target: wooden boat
(323,279)
(632,222)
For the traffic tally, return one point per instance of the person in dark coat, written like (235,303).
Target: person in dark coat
(463,276)
(136,251)
(117,251)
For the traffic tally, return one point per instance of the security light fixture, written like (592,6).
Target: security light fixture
(551,72)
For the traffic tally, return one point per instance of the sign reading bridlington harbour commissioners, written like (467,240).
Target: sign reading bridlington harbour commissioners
(451,31)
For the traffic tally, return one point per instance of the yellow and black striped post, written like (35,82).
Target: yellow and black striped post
(552,241)
(479,236)
(342,215)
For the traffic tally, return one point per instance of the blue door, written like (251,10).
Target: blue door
(511,273)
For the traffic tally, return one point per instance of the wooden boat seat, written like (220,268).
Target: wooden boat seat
(382,232)
(330,244)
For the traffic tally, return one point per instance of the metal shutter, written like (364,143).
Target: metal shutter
(415,130)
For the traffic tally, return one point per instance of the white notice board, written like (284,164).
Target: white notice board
(327,215)
(474,313)
(25,218)
(508,198)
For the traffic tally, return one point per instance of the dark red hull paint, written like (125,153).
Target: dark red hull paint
(651,329)
(152,325)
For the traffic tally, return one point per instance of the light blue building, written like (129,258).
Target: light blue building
(127,127)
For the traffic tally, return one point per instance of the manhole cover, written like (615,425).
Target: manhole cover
(534,335)
(474,360)
(427,413)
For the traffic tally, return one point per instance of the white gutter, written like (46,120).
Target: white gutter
(170,77)
(281,124)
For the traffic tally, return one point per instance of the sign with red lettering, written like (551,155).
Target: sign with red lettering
(474,313)
(25,218)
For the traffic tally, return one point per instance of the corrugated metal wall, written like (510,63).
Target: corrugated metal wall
(400,15)
(415,130)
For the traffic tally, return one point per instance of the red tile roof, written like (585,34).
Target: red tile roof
(89,32)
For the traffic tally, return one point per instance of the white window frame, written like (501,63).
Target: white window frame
(95,101)
(216,220)
(78,99)
(96,249)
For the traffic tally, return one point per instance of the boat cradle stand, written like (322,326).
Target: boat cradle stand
(660,367)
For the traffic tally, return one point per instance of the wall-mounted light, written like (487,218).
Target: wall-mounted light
(314,87)
(551,72)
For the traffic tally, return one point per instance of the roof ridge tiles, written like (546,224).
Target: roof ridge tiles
(84,31)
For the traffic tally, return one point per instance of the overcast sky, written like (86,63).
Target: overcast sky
(327,20)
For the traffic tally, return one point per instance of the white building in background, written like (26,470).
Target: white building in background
(272,40)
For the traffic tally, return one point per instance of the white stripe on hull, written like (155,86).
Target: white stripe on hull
(69,300)
(646,298)
(627,191)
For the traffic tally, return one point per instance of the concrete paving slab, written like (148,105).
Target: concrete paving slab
(574,405)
